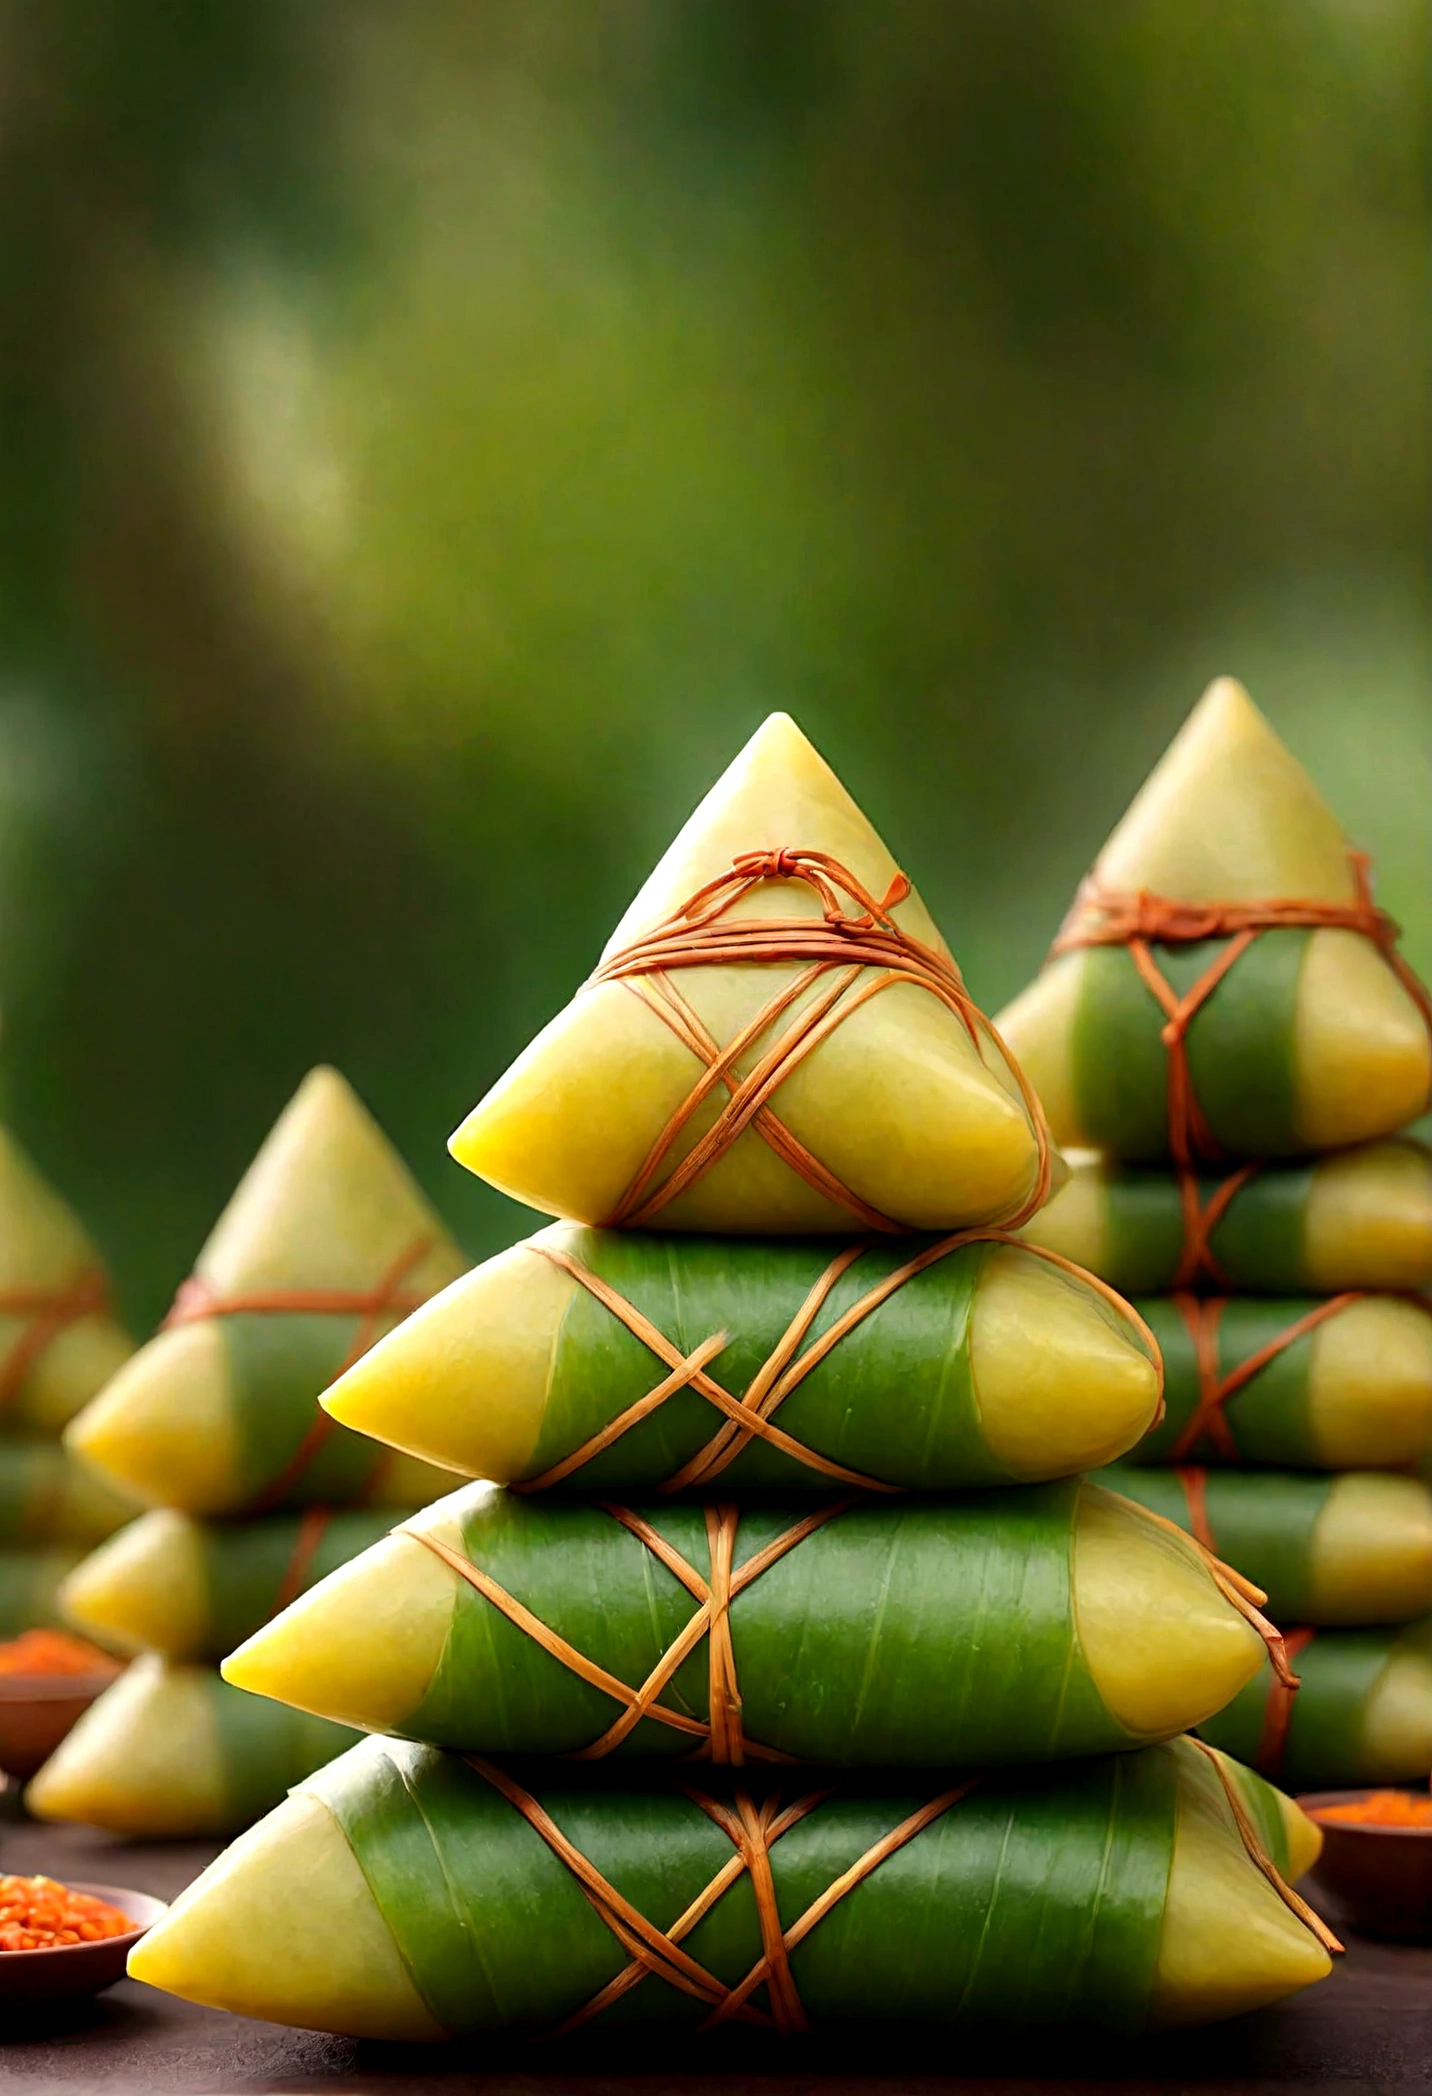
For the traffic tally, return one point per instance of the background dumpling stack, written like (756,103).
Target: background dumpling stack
(774,1481)
(59,1342)
(1253,1195)
(214,1423)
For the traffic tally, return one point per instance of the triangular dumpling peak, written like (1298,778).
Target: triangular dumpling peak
(779,792)
(42,1241)
(835,1076)
(327,1202)
(1228,815)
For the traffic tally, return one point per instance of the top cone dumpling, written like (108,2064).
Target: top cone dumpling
(905,1116)
(326,1244)
(1311,1040)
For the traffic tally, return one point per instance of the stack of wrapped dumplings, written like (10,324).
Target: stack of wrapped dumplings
(1227,1021)
(59,1342)
(779,1523)
(254,1492)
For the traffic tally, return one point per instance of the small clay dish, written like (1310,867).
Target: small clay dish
(37,1710)
(1380,1876)
(72,1970)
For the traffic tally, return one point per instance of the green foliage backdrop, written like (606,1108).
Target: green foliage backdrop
(434,436)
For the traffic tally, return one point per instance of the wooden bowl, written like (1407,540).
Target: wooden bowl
(1380,1876)
(72,1970)
(37,1710)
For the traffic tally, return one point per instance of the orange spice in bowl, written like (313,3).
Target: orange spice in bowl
(1380,1808)
(53,1652)
(41,1914)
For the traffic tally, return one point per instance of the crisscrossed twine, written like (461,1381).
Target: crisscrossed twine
(753,1829)
(1202,1316)
(841,945)
(719,1737)
(198,1300)
(49,1312)
(1197,1258)
(750,1416)
(1107,917)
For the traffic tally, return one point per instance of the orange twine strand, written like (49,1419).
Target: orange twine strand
(753,1830)
(197,1300)
(1278,1712)
(1141,921)
(749,1417)
(840,945)
(50,1311)
(720,1736)
(1248,1834)
(1202,1316)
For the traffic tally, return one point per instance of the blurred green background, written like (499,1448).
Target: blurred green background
(434,435)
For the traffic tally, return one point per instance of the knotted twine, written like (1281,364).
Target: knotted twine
(1202,1316)
(839,945)
(49,1312)
(753,1830)
(721,1737)
(198,1300)
(1108,917)
(749,1417)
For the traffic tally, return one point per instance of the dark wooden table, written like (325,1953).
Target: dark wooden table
(1365,2032)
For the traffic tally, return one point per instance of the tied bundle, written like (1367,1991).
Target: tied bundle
(1268,1052)
(777,1515)
(255,1493)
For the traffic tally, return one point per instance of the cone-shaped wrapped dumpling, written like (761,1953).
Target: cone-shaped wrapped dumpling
(776,1040)
(1359,1218)
(983,1365)
(1309,1383)
(58,1341)
(1363,1713)
(403,1894)
(1002,1626)
(325,1245)
(195,1589)
(1314,1034)
(30,1581)
(47,1497)
(1356,1548)
(171,1751)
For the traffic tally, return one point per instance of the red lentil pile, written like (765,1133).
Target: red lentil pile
(39,1914)
(53,1652)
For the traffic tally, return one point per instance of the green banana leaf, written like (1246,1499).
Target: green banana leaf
(1362,1715)
(46,1497)
(1353,1393)
(1359,1219)
(1350,1549)
(30,1580)
(910,1631)
(1030,1901)
(1240,1049)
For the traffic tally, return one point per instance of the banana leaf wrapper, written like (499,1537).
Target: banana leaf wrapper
(600,1360)
(1361,1715)
(172,1751)
(59,1339)
(193,1590)
(1304,1382)
(1075,1898)
(1044,1621)
(1358,1218)
(1224,986)
(46,1497)
(1350,1549)
(776,1040)
(30,1581)
(325,1245)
